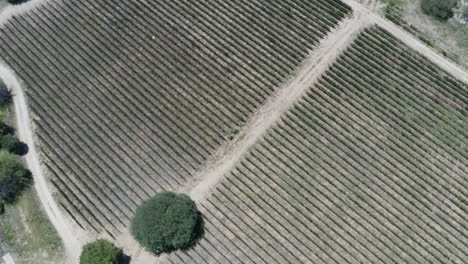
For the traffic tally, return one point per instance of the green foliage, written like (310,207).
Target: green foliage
(14,177)
(100,252)
(5,94)
(439,8)
(166,222)
(11,143)
(5,129)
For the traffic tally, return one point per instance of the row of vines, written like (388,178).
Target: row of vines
(368,167)
(132,97)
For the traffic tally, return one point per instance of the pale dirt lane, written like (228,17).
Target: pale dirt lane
(318,61)
(25,133)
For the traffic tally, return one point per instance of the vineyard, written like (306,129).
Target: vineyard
(131,98)
(368,167)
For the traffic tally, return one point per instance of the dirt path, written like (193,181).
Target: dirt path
(25,133)
(317,62)
(226,158)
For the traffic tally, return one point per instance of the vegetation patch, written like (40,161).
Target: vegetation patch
(442,9)
(100,252)
(166,222)
(14,177)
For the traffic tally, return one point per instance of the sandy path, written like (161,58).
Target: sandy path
(318,61)
(25,133)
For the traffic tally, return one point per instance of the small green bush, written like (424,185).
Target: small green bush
(100,252)
(166,222)
(5,129)
(441,9)
(2,207)
(5,94)
(14,177)
(11,143)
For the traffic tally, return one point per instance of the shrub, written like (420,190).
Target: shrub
(5,129)
(5,94)
(166,222)
(439,8)
(100,252)
(12,144)
(2,207)
(14,177)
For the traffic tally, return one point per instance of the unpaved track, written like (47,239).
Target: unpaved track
(316,64)
(25,133)
(328,50)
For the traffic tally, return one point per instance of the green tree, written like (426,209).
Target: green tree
(166,222)
(5,94)
(11,143)
(5,129)
(439,8)
(14,177)
(100,252)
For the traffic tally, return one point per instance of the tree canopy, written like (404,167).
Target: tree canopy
(14,177)
(11,143)
(166,222)
(100,252)
(441,9)
(5,94)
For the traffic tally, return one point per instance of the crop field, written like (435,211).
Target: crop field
(368,167)
(131,98)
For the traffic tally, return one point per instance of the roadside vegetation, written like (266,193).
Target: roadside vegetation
(25,230)
(167,222)
(439,9)
(101,252)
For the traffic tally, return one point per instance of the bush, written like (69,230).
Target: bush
(5,94)
(14,177)
(12,144)
(166,222)
(2,207)
(5,129)
(439,8)
(100,252)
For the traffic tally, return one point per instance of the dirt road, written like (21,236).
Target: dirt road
(25,133)
(318,61)
(226,158)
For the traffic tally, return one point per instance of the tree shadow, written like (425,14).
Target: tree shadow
(124,259)
(17,2)
(22,149)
